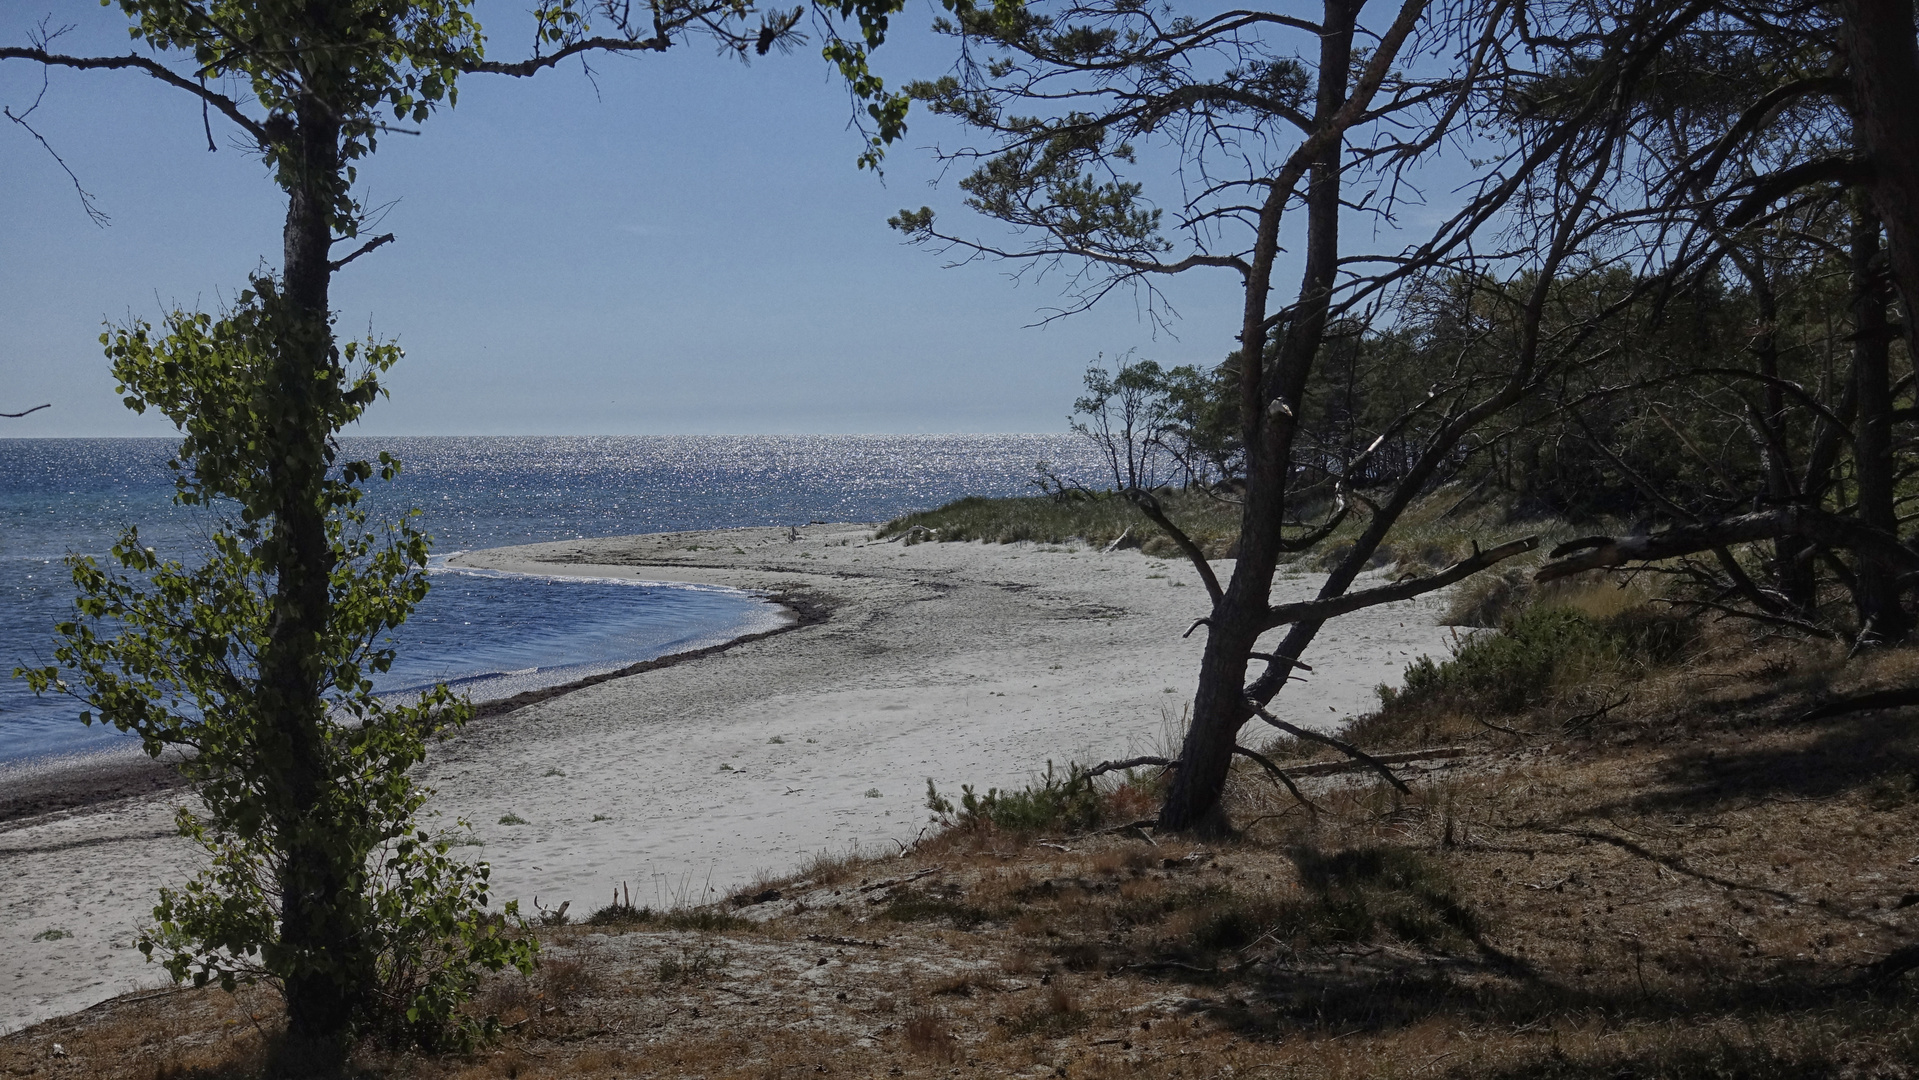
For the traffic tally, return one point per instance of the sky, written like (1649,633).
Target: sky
(680,245)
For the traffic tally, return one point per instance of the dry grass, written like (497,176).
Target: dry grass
(1696,885)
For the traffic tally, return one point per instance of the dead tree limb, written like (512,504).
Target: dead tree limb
(1786,621)
(1335,606)
(1340,745)
(1105,767)
(1149,506)
(1597,552)
(18,415)
(1279,776)
(227,106)
(382,239)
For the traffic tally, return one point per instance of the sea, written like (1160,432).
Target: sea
(489,635)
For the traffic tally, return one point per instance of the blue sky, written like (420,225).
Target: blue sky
(688,249)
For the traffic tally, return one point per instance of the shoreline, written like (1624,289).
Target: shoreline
(690,775)
(35,787)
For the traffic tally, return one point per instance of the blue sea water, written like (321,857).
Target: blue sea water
(492,634)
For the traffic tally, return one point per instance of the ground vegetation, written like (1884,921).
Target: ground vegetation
(1697,882)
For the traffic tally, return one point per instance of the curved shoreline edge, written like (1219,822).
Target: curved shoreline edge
(37,787)
(698,771)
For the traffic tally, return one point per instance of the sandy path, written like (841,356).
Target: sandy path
(959,662)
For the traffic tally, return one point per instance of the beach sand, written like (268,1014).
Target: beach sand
(962,663)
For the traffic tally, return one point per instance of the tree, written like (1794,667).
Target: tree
(319,880)
(258,658)
(1257,130)
(1767,148)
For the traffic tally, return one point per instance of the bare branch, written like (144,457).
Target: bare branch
(87,204)
(18,415)
(1340,745)
(1335,606)
(1105,767)
(526,68)
(378,241)
(1597,552)
(1279,776)
(1149,506)
(227,106)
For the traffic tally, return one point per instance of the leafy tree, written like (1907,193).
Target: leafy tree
(258,659)
(1126,416)
(319,877)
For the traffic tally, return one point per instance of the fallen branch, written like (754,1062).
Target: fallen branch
(1329,768)
(1587,719)
(1343,747)
(1142,824)
(890,882)
(1334,606)
(1785,621)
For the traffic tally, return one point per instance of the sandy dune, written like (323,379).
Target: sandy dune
(956,662)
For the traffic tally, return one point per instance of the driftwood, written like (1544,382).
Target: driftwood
(1597,552)
(1334,606)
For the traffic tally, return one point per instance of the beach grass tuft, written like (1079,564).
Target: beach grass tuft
(1094,520)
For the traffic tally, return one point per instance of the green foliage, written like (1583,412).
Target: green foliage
(365,59)
(1072,515)
(172,653)
(1534,653)
(1156,426)
(1070,802)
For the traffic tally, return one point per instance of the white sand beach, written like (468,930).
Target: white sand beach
(963,663)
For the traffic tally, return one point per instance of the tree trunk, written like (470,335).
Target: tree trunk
(1882,618)
(317,881)
(1270,400)
(1883,53)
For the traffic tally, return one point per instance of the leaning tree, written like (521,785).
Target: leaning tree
(1261,117)
(258,661)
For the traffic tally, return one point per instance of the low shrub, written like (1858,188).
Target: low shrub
(1071,802)
(1537,652)
(620,914)
(702,919)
